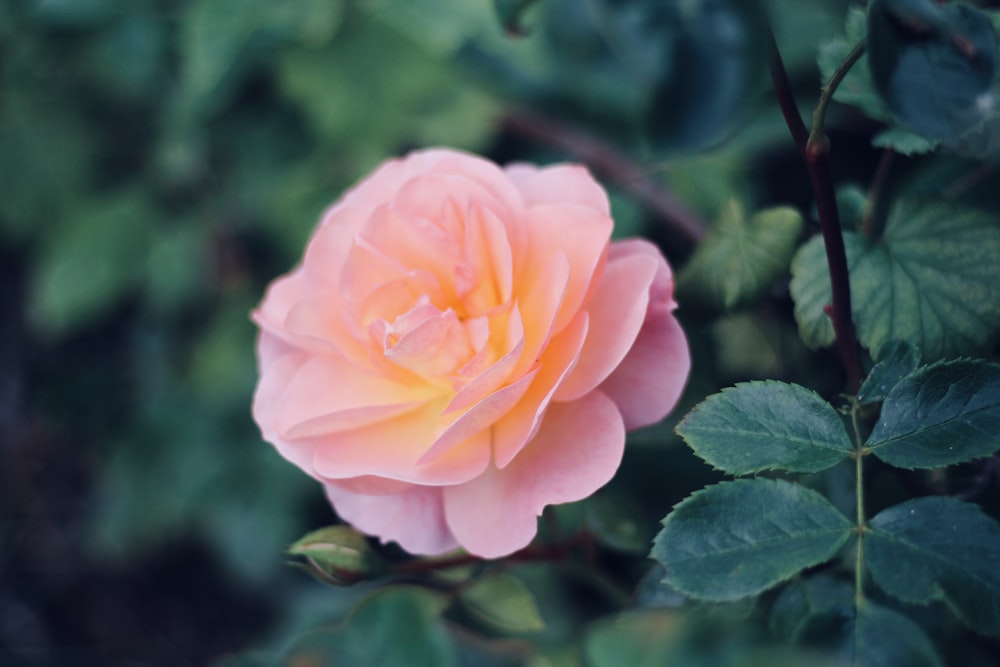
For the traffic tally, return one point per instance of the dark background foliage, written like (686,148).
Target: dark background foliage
(162,160)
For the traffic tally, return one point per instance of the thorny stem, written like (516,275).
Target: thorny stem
(815,149)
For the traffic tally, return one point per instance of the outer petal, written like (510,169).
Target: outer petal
(414,519)
(386,182)
(559,184)
(578,232)
(324,396)
(648,383)
(394,449)
(617,311)
(576,451)
(512,432)
(278,362)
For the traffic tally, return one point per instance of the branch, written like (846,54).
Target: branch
(815,149)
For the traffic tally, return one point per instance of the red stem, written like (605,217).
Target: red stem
(815,150)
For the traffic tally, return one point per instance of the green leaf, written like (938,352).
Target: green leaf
(885,638)
(896,360)
(811,611)
(338,554)
(221,41)
(503,603)
(933,65)
(399,626)
(91,262)
(939,548)
(739,538)
(769,425)
(903,141)
(403,95)
(820,613)
(929,281)
(715,63)
(941,414)
(856,89)
(47,158)
(129,61)
(741,258)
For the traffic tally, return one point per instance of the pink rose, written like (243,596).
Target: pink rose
(462,346)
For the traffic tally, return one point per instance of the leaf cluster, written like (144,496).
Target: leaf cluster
(740,538)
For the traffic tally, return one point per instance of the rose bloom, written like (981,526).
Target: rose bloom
(461,346)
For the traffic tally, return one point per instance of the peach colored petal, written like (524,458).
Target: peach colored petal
(331,242)
(649,381)
(317,321)
(368,266)
(391,299)
(479,418)
(512,432)
(479,378)
(282,296)
(278,362)
(433,348)
(617,311)
(662,290)
(484,278)
(325,395)
(443,200)
(393,448)
(414,519)
(485,173)
(370,485)
(576,451)
(538,304)
(500,250)
(558,184)
(582,235)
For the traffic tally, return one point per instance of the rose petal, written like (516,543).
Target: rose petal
(576,451)
(538,306)
(370,485)
(330,244)
(506,331)
(617,310)
(484,280)
(512,432)
(479,418)
(414,519)
(649,381)
(433,348)
(282,296)
(325,396)
(558,184)
(393,449)
(582,235)
(278,361)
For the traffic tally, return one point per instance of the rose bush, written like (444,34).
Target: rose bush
(461,346)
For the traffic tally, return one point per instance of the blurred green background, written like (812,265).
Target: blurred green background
(162,160)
